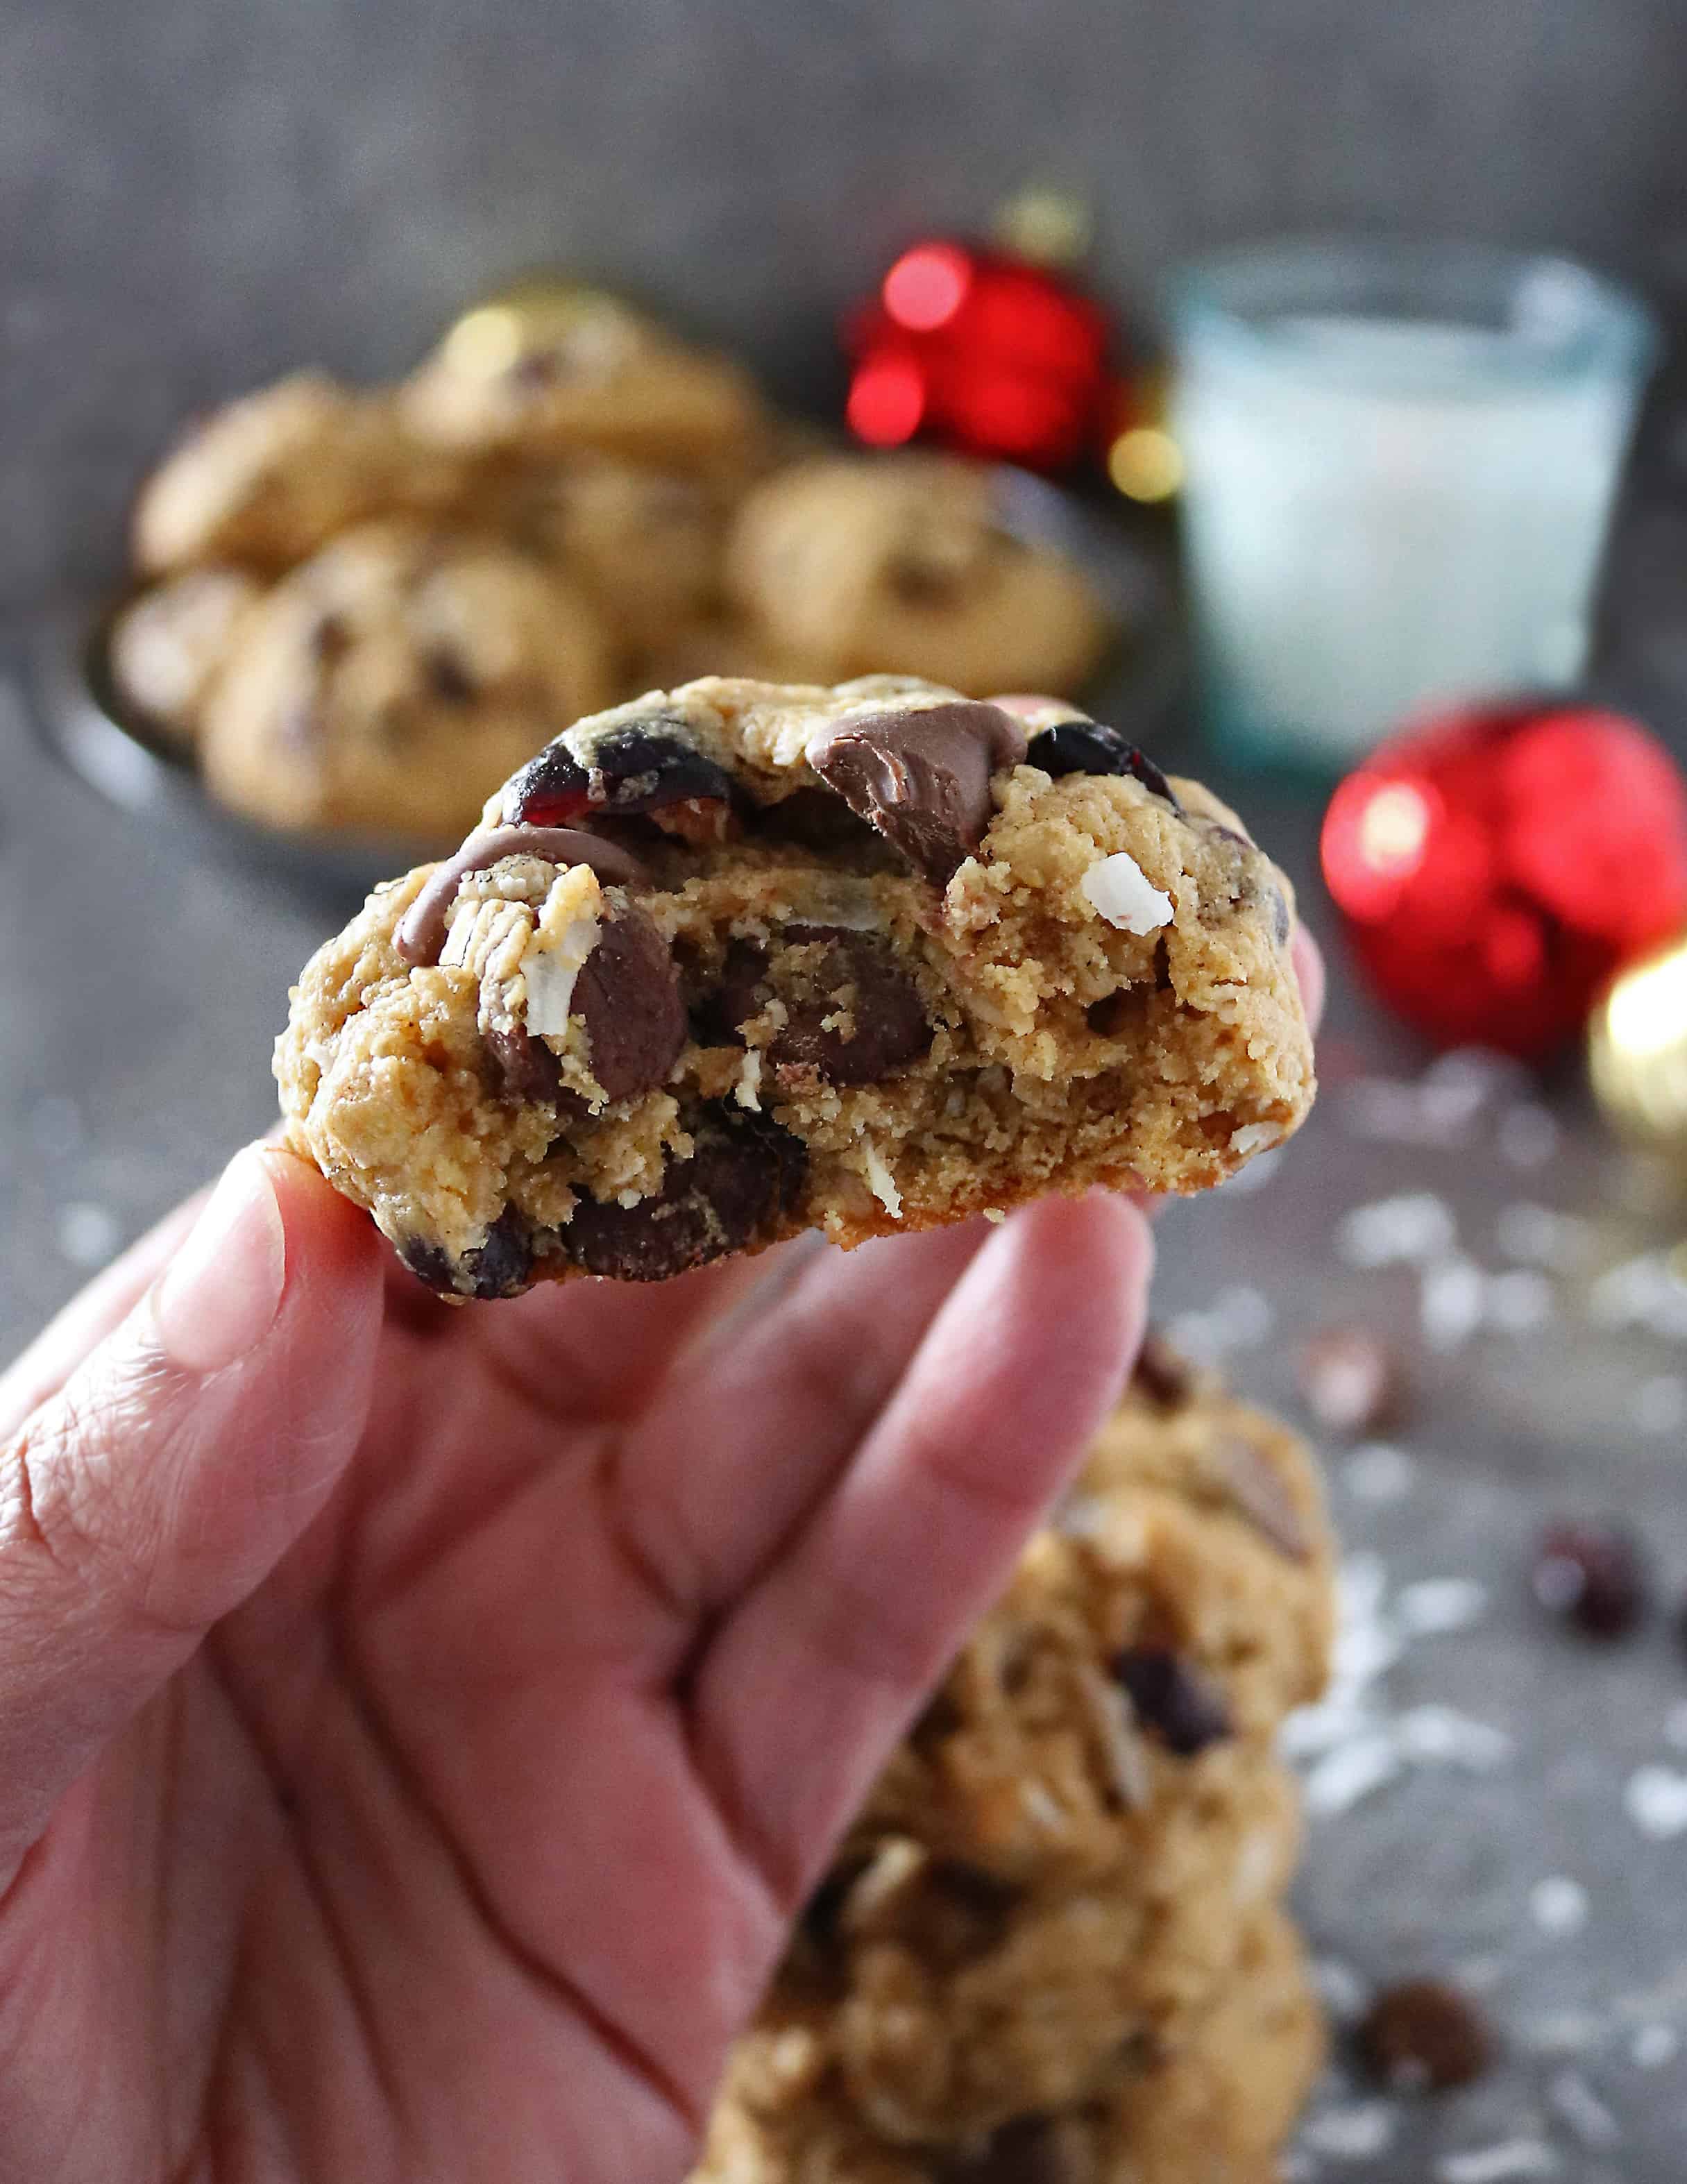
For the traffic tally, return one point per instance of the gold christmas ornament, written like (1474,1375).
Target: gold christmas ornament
(1046,224)
(1637,1051)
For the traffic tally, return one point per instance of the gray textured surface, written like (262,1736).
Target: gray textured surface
(197,196)
(139,1011)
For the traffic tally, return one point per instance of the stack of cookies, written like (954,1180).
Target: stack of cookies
(360,609)
(1052,1950)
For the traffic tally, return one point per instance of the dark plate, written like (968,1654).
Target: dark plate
(85,724)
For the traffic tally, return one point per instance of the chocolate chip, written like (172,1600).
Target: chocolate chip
(1164,1377)
(1256,1486)
(421,931)
(1424,2034)
(1593,1576)
(448,678)
(1351,1382)
(329,640)
(1090,747)
(745,1174)
(627,993)
(498,1267)
(525,1067)
(1173,1699)
(1031,2149)
(818,1916)
(818,972)
(813,819)
(922,778)
(633,770)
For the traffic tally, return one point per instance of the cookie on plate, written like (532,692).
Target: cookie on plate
(852,565)
(394,679)
(166,647)
(576,371)
(266,480)
(728,963)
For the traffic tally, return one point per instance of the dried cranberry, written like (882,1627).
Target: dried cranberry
(1174,1700)
(1425,2035)
(634,771)
(1089,747)
(1593,1576)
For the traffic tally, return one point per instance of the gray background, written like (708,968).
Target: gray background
(195,197)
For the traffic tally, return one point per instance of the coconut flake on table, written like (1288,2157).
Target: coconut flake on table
(1413,1229)
(1356,2133)
(1654,1799)
(1558,1905)
(1499,2165)
(1117,888)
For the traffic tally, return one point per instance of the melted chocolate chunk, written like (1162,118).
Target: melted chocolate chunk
(813,819)
(498,1267)
(1425,2036)
(745,1174)
(628,995)
(632,771)
(1089,747)
(1028,2150)
(922,778)
(821,970)
(421,930)
(525,1066)
(1592,1576)
(1174,1700)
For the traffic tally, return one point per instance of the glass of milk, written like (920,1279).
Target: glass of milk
(1399,464)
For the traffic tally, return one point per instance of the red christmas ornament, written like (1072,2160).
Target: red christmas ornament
(980,350)
(1496,867)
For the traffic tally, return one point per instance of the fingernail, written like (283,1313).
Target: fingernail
(219,1297)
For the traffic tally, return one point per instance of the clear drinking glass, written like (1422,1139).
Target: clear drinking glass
(1400,464)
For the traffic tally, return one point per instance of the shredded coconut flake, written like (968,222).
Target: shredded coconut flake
(1118,889)
(880,1181)
(1358,2133)
(1254,1137)
(748,1089)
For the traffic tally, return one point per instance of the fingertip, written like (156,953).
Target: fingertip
(1307,958)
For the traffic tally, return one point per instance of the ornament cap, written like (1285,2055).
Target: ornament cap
(1046,224)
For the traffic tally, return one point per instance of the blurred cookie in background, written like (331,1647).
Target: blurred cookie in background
(267,479)
(645,544)
(166,646)
(553,369)
(902,563)
(393,680)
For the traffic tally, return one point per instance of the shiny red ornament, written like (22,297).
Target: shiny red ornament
(981,351)
(1495,867)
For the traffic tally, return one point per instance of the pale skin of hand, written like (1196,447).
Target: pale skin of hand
(418,1727)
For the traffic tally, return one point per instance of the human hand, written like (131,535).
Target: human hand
(417,1727)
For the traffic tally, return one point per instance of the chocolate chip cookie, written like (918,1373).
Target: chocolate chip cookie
(855,564)
(728,963)
(394,678)
(168,644)
(582,370)
(1209,2103)
(1050,1944)
(265,481)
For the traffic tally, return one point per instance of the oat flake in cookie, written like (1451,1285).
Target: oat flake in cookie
(747,958)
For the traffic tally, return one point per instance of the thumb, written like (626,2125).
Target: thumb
(181,1459)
